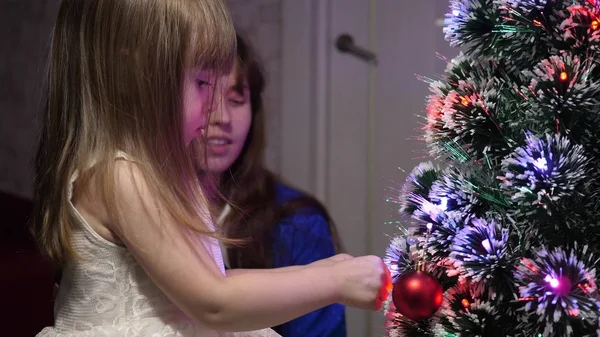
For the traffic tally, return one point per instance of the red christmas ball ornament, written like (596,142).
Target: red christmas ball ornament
(417,295)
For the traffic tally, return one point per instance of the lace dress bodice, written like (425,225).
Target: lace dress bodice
(106,293)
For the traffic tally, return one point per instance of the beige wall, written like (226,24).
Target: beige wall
(260,21)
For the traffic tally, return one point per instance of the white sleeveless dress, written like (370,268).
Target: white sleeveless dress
(106,293)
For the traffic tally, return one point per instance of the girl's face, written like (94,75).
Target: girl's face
(198,102)
(228,126)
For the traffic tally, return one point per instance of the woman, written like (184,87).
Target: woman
(282,226)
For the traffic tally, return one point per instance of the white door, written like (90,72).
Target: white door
(347,126)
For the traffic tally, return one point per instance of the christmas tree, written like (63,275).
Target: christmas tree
(504,221)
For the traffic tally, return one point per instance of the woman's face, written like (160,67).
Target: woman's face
(228,125)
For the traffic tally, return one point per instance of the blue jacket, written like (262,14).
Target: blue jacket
(300,239)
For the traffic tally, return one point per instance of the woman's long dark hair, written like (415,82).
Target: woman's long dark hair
(251,189)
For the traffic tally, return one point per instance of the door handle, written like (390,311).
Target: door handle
(345,44)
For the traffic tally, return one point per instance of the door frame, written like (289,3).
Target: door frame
(307,147)
(305,92)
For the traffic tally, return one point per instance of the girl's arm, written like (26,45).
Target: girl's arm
(186,273)
(330,261)
(241,271)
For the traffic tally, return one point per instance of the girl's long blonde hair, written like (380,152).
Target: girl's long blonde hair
(115,83)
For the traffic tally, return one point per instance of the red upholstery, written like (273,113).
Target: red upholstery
(26,282)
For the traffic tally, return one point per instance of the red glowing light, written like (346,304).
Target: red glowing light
(564,76)
(464,101)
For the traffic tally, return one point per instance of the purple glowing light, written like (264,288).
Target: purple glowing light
(541,163)
(486,244)
(444,203)
(553,281)
(430,209)
(434,210)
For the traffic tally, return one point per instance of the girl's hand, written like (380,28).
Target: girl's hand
(364,282)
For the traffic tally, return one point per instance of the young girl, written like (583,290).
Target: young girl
(285,226)
(130,85)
